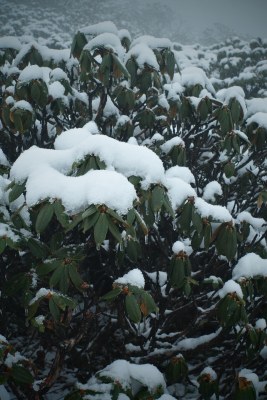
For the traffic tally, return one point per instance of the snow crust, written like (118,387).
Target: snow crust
(142,54)
(191,76)
(259,118)
(128,374)
(192,343)
(10,42)
(230,287)
(101,27)
(133,277)
(31,72)
(23,105)
(183,173)
(107,40)
(249,266)
(211,372)
(211,189)
(153,42)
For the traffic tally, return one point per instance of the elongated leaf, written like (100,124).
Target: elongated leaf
(157,198)
(48,267)
(116,216)
(114,230)
(60,214)
(75,276)
(56,276)
(89,211)
(101,229)
(16,191)
(21,374)
(44,217)
(90,221)
(37,248)
(132,308)
(112,294)
(53,308)
(64,280)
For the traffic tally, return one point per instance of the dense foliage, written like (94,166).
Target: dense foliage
(133,218)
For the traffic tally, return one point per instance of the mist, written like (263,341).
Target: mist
(187,22)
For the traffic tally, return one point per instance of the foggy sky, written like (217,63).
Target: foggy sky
(185,21)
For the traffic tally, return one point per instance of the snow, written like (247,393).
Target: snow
(23,105)
(108,41)
(183,173)
(75,136)
(211,189)
(167,146)
(261,324)
(217,213)
(6,232)
(193,343)
(42,292)
(58,74)
(101,27)
(10,42)
(13,359)
(152,42)
(125,158)
(259,118)
(236,92)
(3,159)
(250,376)
(128,374)
(160,277)
(142,55)
(178,191)
(4,395)
(230,287)
(250,266)
(191,76)
(109,110)
(76,193)
(178,246)
(256,105)
(31,72)
(211,372)
(257,223)
(56,90)
(133,277)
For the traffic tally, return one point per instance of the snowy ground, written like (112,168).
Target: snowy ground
(185,22)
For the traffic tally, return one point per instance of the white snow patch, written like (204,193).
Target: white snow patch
(211,189)
(133,277)
(249,266)
(231,287)
(142,55)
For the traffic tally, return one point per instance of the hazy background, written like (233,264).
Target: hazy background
(185,21)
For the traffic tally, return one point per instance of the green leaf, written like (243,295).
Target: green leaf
(64,280)
(60,214)
(56,276)
(2,245)
(75,276)
(157,198)
(112,294)
(120,66)
(117,217)
(53,308)
(37,248)
(21,374)
(148,304)
(47,267)
(16,191)
(101,229)
(90,221)
(114,230)
(132,308)
(44,217)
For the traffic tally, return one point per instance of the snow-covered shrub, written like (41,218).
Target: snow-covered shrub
(133,218)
